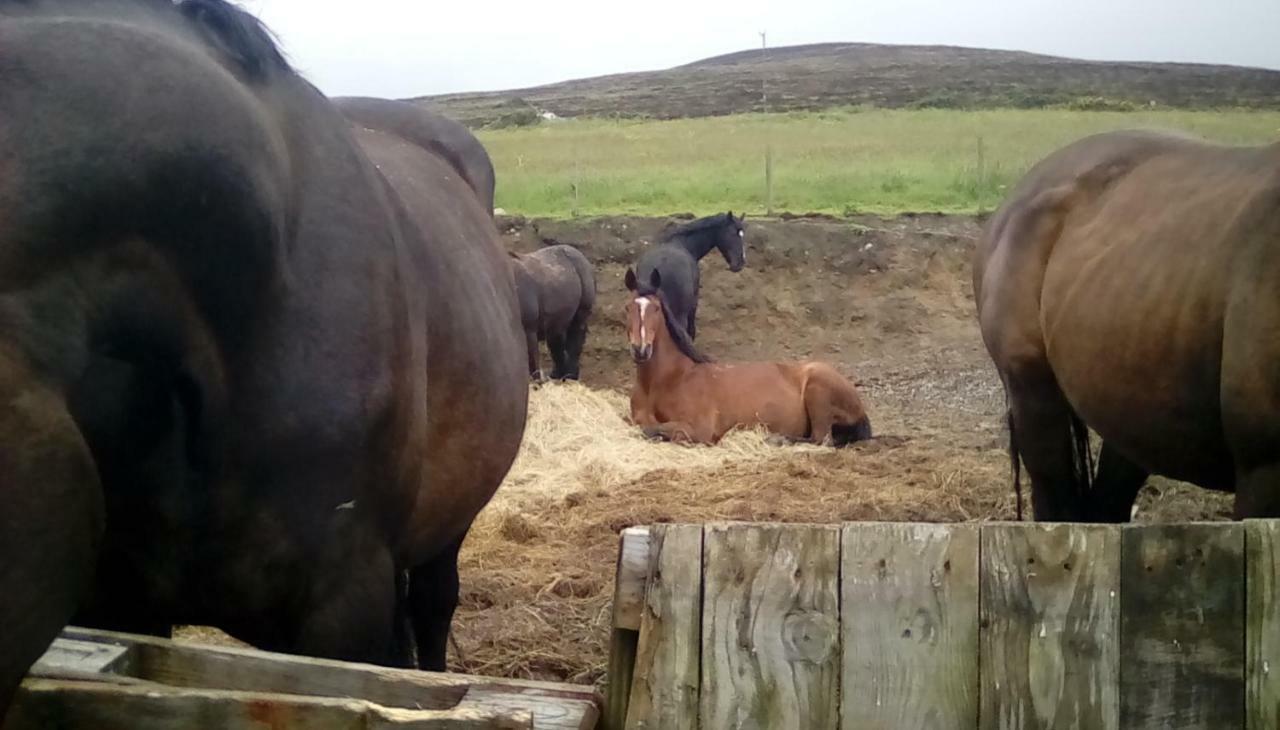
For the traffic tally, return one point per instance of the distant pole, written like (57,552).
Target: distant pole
(577,181)
(768,148)
(764,95)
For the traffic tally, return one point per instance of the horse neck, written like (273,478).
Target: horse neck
(698,243)
(667,364)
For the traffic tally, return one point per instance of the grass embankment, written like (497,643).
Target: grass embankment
(837,162)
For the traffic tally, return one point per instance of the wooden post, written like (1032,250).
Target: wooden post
(628,601)
(909,624)
(1050,626)
(770,627)
(1182,631)
(1262,615)
(664,691)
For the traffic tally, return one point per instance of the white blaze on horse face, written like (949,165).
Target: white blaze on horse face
(643,303)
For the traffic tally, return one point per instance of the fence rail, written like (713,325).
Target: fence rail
(997,625)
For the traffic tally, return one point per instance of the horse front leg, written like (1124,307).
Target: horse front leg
(680,432)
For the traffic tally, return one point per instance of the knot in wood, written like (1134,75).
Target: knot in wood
(809,636)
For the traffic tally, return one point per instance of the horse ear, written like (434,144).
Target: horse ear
(655,280)
(631,279)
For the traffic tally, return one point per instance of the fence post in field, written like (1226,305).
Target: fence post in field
(768,180)
(577,181)
(768,148)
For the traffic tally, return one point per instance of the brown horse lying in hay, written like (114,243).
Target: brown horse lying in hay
(681,396)
(1128,285)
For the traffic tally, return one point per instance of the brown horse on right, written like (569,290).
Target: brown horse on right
(1128,286)
(682,396)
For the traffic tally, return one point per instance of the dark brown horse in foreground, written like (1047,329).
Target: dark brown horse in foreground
(1129,286)
(557,291)
(225,342)
(681,396)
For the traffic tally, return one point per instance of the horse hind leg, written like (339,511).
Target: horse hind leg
(531,346)
(836,415)
(576,339)
(556,345)
(433,598)
(1115,487)
(1052,442)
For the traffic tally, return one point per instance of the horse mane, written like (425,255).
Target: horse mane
(675,329)
(223,26)
(237,33)
(697,226)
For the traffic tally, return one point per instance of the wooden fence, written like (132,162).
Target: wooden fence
(904,626)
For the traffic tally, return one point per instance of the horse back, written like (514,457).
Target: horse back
(679,272)
(441,135)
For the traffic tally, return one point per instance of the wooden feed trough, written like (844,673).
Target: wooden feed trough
(98,680)
(998,625)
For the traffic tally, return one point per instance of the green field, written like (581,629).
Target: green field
(839,162)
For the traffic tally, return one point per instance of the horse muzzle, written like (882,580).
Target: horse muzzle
(641,353)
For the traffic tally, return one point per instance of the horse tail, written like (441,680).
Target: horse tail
(1015,459)
(1081,456)
(1082,462)
(587,278)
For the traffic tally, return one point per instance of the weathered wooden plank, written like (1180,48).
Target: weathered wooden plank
(1182,628)
(770,627)
(1262,614)
(909,624)
(630,575)
(71,656)
(182,664)
(549,712)
(617,691)
(44,704)
(632,572)
(1050,609)
(664,693)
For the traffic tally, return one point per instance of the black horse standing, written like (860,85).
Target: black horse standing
(676,260)
(557,291)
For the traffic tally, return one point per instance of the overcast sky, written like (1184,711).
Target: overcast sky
(402,48)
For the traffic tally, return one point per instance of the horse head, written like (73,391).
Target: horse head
(643,315)
(731,240)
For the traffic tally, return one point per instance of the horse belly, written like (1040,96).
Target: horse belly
(1133,332)
(759,394)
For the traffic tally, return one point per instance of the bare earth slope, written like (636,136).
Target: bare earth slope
(822,76)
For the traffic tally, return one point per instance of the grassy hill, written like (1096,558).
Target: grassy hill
(822,76)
